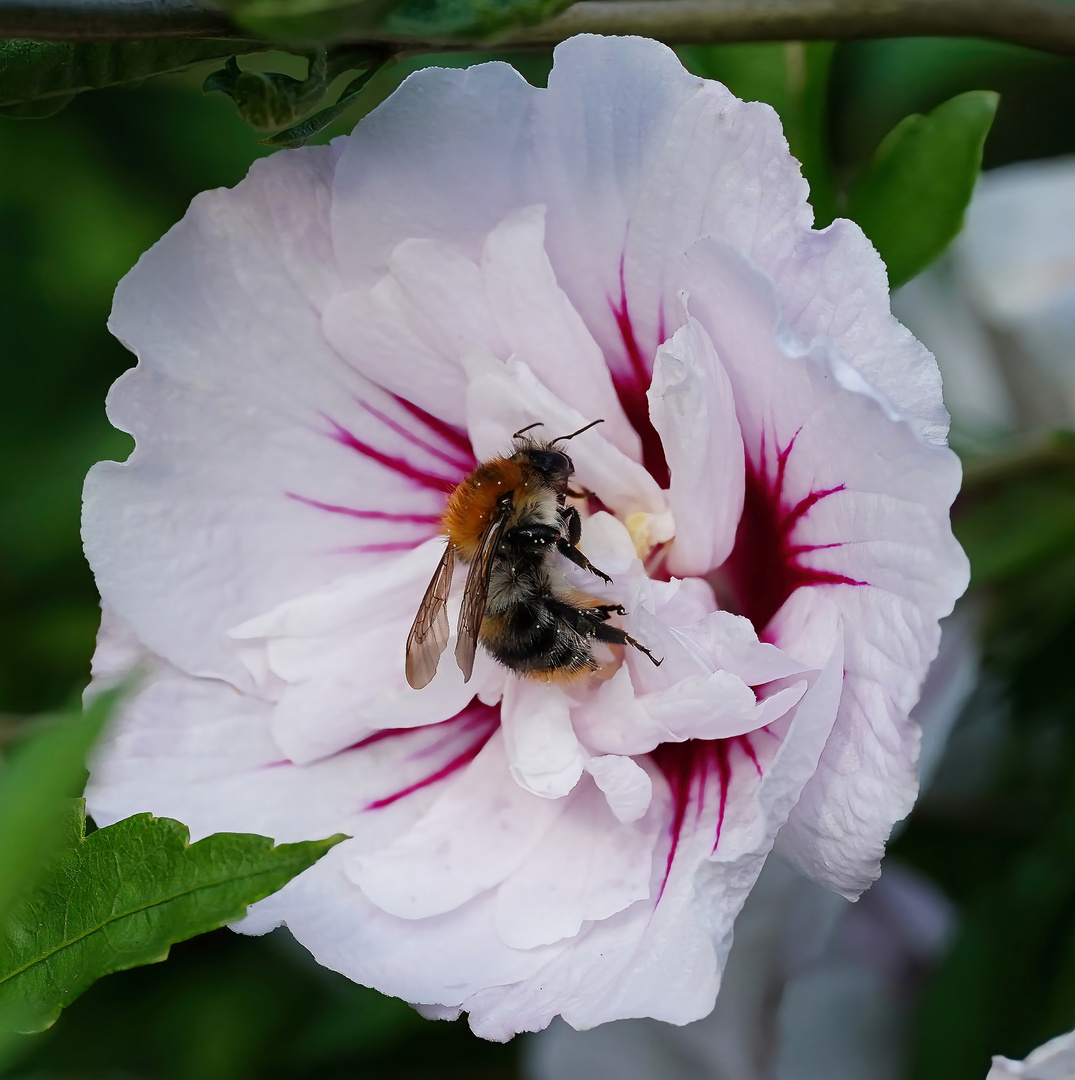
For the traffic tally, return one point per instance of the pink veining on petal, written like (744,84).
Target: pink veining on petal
(691,769)
(371,515)
(421,477)
(763,569)
(451,434)
(463,738)
(476,717)
(381,548)
(416,440)
(472,729)
(631,386)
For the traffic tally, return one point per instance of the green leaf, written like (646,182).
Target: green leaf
(37,78)
(1017,512)
(122,896)
(269,101)
(911,196)
(793,77)
(43,771)
(38,109)
(1019,527)
(308,128)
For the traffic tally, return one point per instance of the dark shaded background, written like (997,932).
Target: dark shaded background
(83,193)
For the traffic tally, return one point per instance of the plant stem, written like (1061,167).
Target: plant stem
(1042,24)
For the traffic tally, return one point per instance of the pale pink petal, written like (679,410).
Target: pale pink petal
(440,961)
(252,480)
(867,501)
(336,660)
(586,868)
(665,962)
(411,168)
(836,287)
(625,784)
(478,831)
(543,751)
(544,330)
(431,308)
(502,398)
(692,408)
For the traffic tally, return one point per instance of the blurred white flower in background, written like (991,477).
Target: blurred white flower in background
(1053,1061)
(998,310)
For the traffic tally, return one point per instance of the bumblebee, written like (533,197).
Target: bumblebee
(507,521)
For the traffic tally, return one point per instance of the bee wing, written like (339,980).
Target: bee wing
(475,595)
(429,632)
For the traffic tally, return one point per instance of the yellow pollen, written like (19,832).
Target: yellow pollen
(649,530)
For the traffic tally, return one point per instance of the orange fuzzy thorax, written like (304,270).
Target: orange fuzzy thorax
(472,506)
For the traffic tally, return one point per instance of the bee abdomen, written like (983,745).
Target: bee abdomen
(532,639)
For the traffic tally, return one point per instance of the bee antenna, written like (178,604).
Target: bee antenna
(529,427)
(564,438)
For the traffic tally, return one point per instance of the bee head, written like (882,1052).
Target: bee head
(554,465)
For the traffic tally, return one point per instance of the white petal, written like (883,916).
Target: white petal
(664,963)
(587,867)
(718,705)
(431,309)
(445,157)
(1054,1060)
(633,157)
(439,961)
(502,398)
(731,642)
(625,784)
(873,501)
(542,328)
(274,326)
(477,832)
(836,287)
(543,752)
(200,751)
(692,408)
(241,492)
(337,658)
(638,159)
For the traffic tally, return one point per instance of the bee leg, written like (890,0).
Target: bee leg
(535,537)
(569,545)
(605,611)
(571,519)
(579,559)
(615,636)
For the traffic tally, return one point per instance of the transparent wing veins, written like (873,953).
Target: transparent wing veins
(475,595)
(429,632)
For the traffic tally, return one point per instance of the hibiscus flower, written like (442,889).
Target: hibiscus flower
(328,349)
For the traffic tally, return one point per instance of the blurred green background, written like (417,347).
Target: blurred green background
(83,193)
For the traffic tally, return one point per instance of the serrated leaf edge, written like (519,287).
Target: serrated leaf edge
(328,843)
